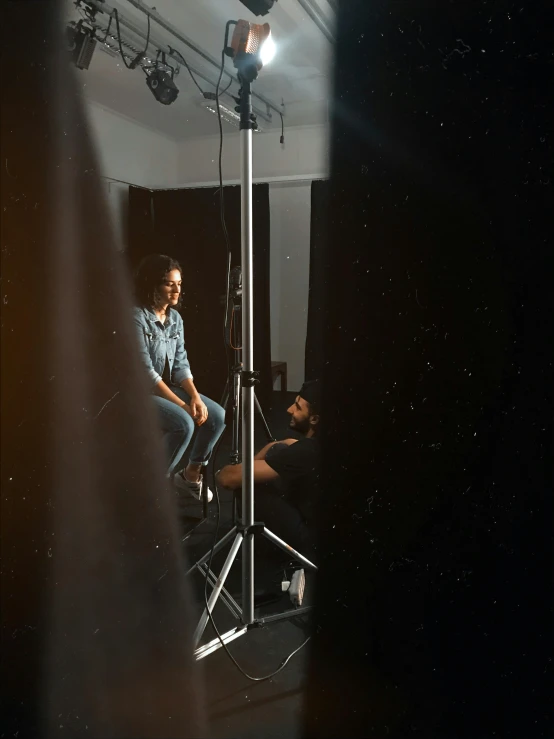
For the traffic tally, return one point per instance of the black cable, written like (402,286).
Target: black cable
(228,86)
(223,223)
(218,503)
(141,55)
(221,193)
(147,38)
(282,128)
(121,52)
(189,70)
(285,662)
(107,30)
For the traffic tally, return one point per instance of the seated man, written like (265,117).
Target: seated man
(286,476)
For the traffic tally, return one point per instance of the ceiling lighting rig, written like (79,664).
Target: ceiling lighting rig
(81,44)
(119,35)
(160,81)
(84,35)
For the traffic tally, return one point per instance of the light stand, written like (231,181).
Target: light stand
(242,535)
(232,391)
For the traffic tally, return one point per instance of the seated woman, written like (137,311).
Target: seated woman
(180,407)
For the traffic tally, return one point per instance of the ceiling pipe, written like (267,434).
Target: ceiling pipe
(155,16)
(314,11)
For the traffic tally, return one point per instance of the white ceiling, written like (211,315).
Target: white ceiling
(299,74)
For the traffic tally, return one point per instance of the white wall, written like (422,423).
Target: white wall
(133,153)
(304,155)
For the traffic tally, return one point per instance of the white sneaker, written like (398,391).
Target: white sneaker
(192,488)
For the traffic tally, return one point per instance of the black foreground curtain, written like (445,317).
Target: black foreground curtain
(434,616)
(186,225)
(96,612)
(320,280)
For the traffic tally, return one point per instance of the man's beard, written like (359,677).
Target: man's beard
(302,427)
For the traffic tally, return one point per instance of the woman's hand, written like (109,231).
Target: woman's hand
(198,410)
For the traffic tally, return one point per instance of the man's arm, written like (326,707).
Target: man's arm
(261,454)
(231,475)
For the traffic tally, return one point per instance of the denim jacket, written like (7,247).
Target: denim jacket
(159,340)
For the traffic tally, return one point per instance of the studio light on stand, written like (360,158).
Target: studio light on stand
(251,48)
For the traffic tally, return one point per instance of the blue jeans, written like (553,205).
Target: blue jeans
(178,428)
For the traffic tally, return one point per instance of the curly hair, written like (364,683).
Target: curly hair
(150,275)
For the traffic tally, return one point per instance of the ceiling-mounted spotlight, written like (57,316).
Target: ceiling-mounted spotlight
(252,47)
(258,7)
(81,44)
(161,83)
(162,86)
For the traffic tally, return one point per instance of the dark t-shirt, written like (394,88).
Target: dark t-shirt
(298,468)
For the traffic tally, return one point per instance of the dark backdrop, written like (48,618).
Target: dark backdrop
(434,615)
(320,280)
(186,225)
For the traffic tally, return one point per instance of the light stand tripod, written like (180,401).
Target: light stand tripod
(233,385)
(242,535)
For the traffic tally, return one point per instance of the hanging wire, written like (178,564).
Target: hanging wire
(189,70)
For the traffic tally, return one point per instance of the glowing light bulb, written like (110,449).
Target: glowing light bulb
(268,50)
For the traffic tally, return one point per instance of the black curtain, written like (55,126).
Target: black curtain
(97,615)
(319,283)
(434,601)
(186,225)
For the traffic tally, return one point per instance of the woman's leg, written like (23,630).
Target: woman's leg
(206,435)
(177,428)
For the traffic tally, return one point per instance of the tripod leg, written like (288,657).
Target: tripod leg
(220,544)
(217,589)
(285,547)
(248,579)
(268,433)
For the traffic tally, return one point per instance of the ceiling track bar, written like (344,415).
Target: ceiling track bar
(155,16)
(313,11)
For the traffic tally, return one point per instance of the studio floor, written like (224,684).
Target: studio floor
(239,708)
